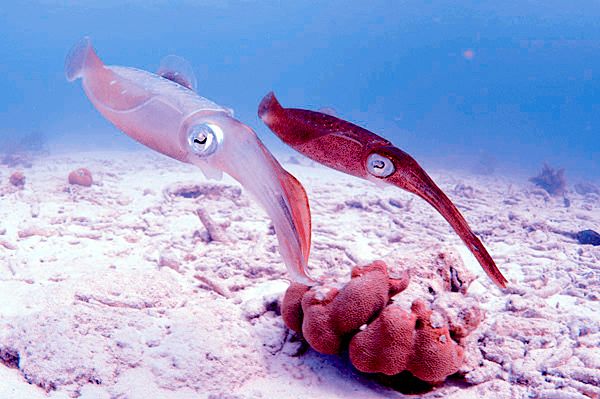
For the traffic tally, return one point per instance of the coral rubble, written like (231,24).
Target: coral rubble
(551,180)
(121,285)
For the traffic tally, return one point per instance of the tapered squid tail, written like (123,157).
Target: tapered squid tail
(411,177)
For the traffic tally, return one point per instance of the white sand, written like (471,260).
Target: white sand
(113,291)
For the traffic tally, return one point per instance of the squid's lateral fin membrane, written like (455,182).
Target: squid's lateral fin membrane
(178,70)
(301,218)
(328,111)
(81,57)
(300,211)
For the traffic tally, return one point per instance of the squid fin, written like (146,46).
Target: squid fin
(81,57)
(300,213)
(267,106)
(328,111)
(178,70)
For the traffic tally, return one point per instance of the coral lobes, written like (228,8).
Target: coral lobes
(81,177)
(382,337)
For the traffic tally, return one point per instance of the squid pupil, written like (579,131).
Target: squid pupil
(201,139)
(378,164)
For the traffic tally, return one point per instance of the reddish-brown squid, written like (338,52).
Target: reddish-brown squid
(351,149)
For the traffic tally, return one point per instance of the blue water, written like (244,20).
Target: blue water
(450,82)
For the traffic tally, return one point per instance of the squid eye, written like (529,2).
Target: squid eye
(380,166)
(204,139)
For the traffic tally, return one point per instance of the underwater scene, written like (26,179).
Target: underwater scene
(210,199)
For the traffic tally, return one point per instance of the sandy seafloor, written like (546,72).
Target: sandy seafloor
(115,291)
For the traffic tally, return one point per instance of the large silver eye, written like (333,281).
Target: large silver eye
(205,139)
(380,166)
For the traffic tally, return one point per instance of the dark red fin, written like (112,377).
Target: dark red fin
(268,106)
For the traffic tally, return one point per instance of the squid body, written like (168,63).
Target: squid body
(351,149)
(164,112)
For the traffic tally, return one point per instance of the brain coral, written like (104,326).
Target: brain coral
(381,336)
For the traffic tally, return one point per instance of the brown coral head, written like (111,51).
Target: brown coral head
(435,354)
(327,317)
(291,306)
(376,266)
(397,282)
(17,179)
(382,336)
(81,177)
(398,340)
